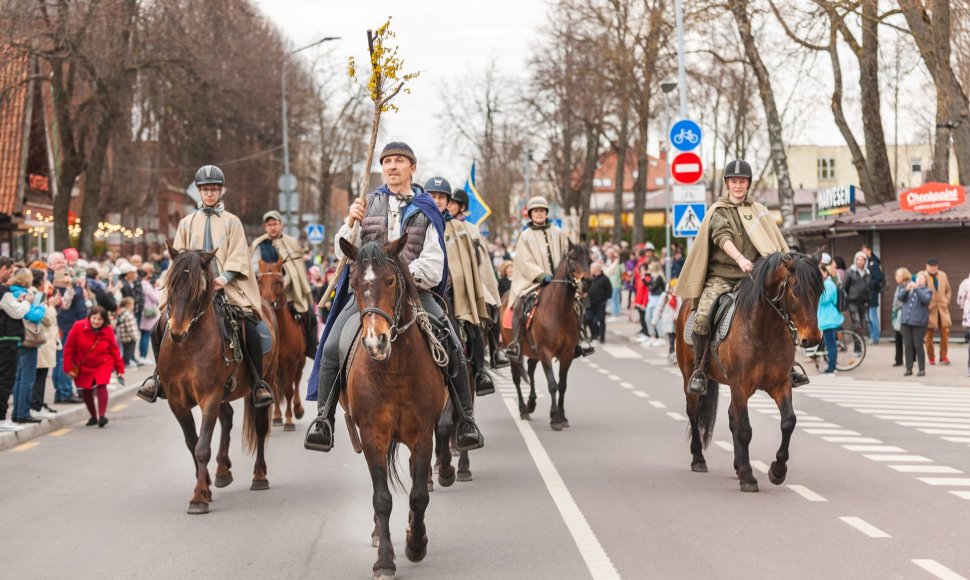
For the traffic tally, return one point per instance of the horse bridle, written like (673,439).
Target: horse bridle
(275,303)
(575,281)
(782,312)
(396,330)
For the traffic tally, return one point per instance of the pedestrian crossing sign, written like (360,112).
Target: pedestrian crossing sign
(688,218)
(314,233)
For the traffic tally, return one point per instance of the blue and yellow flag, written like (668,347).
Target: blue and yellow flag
(478,210)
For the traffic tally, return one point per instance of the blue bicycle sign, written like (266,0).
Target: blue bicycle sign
(685,135)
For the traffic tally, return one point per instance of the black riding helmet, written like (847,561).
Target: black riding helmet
(738,168)
(209,174)
(438,185)
(460,196)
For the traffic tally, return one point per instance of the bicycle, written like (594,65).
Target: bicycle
(851,349)
(686,135)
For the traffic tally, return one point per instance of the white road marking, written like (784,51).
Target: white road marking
(924,469)
(955,420)
(944,432)
(621,351)
(759,465)
(593,365)
(676,416)
(852,440)
(725,446)
(597,560)
(626,385)
(603,371)
(913,458)
(938,570)
(875,448)
(831,431)
(961,494)
(957,481)
(809,418)
(936,424)
(864,527)
(819,425)
(656,404)
(956,439)
(643,395)
(614,378)
(806,493)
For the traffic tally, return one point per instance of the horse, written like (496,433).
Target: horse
(776,308)
(553,333)
(292,341)
(393,395)
(197,367)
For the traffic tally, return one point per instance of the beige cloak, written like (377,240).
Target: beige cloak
(487,272)
(758,225)
(531,261)
(232,255)
(466,283)
(297,283)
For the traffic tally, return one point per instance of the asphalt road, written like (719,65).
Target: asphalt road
(877,488)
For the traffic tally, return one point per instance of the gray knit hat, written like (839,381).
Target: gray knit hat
(398,148)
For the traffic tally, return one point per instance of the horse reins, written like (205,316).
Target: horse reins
(773,302)
(396,330)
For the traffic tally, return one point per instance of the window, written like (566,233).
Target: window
(602,182)
(916,165)
(804,216)
(826,168)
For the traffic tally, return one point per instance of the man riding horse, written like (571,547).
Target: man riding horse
(213,229)
(275,246)
(467,286)
(398,207)
(735,232)
(540,248)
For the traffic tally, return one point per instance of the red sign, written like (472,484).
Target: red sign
(932,198)
(686,168)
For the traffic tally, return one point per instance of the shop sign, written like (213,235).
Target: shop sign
(932,198)
(835,200)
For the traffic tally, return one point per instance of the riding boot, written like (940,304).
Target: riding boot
(262,394)
(498,359)
(319,437)
(151,388)
(698,380)
(468,435)
(583,350)
(798,379)
(483,381)
(513,349)
(310,332)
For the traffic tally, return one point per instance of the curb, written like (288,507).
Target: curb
(65,416)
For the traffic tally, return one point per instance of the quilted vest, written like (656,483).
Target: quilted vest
(374,227)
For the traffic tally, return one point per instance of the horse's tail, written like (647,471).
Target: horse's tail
(393,476)
(251,415)
(708,412)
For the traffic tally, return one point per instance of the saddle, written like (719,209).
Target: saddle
(229,317)
(529,303)
(721,317)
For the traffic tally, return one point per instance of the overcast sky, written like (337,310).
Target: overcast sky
(443,39)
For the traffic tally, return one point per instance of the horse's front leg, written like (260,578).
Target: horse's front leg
(277,404)
(779,467)
(563,373)
(444,429)
(187,422)
(295,395)
(532,384)
(698,463)
(742,441)
(376,453)
(517,370)
(224,464)
(555,417)
(261,424)
(203,453)
(288,395)
(417,534)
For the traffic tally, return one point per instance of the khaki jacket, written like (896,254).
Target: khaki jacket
(297,283)
(759,227)
(466,282)
(940,302)
(489,279)
(531,261)
(232,255)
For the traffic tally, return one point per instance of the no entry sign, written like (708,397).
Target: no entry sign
(686,168)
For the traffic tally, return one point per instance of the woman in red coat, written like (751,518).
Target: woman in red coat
(91,345)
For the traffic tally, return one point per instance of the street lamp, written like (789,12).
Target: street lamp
(667,86)
(287,182)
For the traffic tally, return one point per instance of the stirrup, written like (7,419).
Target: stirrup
(316,438)
(513,350)
(799,378)
(690,383)
(469,437)
(499,359)
(157,391)
(484,385)
(262,402)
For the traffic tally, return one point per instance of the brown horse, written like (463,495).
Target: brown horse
(393,395)
(777,307)
(553,333)
(292,341)
(197,367)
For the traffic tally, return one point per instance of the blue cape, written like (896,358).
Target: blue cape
(420,202)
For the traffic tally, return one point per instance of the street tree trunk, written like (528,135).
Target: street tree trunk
(858,157)
(620,175)
(881,188)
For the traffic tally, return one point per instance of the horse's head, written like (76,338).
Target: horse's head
(792,284)
(383,287)
(576,265)
(272,283)
(189,285)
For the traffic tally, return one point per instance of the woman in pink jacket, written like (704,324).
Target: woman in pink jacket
(92,347)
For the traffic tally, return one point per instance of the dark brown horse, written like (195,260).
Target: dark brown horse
(553,334)
(196,367)
(777,307)
(395,391)
(292,344)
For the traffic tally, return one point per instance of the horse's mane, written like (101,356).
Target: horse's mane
(373,252)
(750,290)
(184,276)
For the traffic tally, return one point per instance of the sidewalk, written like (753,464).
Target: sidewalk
(876,366)
(68,414)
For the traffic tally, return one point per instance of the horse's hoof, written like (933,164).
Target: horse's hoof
(419,555)
(430,486)
(565,423)
(207,494)
(532,405)
(525,416)
(197,509)
(277,421)
(556,425)
(751,486)
(298,413)
(446,478)
(779,477)
(375,541)
(383,574)
(464,476)
(699,467)
(259,485)
(289,427)
(223,480)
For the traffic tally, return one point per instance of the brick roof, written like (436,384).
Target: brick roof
(14,88)
(887,216)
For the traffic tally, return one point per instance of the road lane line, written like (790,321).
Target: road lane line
(814,431)
(944,431)
(725,446)
(956,439)
(964,427)
(119,407)
(852,440)
(954,420)
(958,481)
(626,385)
(913,458)
(864,527)
(806,493)
(643,395)
(819,425)
(656,404)
(875,448)
(961,494)
(603,371)
(760,465)
(593,365)
(676,416)
(614,378)
(60,432)
(596,558)
(938,570)
(25,446)
(924,469)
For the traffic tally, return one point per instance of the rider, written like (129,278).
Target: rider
(540,249)
(457,207)
(467,288)
(396,207)
(213,229)
(735,232)
(274,246)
